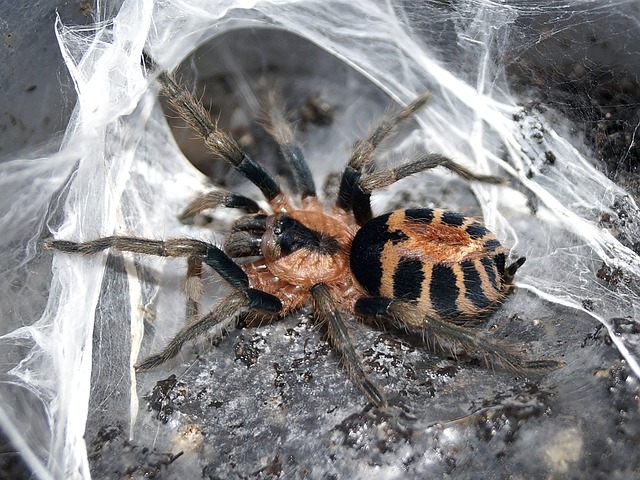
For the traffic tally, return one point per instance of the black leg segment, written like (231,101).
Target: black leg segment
(278,125)
(226,268)
(225,316)
(181,247)
(219,142)
(351,195)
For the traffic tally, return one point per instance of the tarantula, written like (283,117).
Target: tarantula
(428,270)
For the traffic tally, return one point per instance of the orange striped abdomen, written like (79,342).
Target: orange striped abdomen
(452,266)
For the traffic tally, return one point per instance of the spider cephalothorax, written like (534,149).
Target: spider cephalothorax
(428,270)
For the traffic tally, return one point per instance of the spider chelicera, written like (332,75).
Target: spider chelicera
(426,270)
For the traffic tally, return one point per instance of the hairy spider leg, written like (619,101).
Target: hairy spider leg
(383,178)
(184,103)
(223,317)
(276,123)
(193,287)
(329,316)
(227,313)
(350,195)
(357,185)
(278,126)
(363,184)
(407,316)
(209,200)
(216,198)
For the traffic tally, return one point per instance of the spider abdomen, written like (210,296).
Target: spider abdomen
(452,266)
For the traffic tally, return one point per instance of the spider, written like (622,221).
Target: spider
(426,270)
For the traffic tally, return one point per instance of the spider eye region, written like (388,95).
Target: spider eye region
(450,265)
(290,235)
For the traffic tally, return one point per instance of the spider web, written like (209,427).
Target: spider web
(71,337)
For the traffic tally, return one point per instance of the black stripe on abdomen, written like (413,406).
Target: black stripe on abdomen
(473,285)
(443,291)
(490,267)
(407,279)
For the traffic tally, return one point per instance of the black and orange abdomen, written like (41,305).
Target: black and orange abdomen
(452,266)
